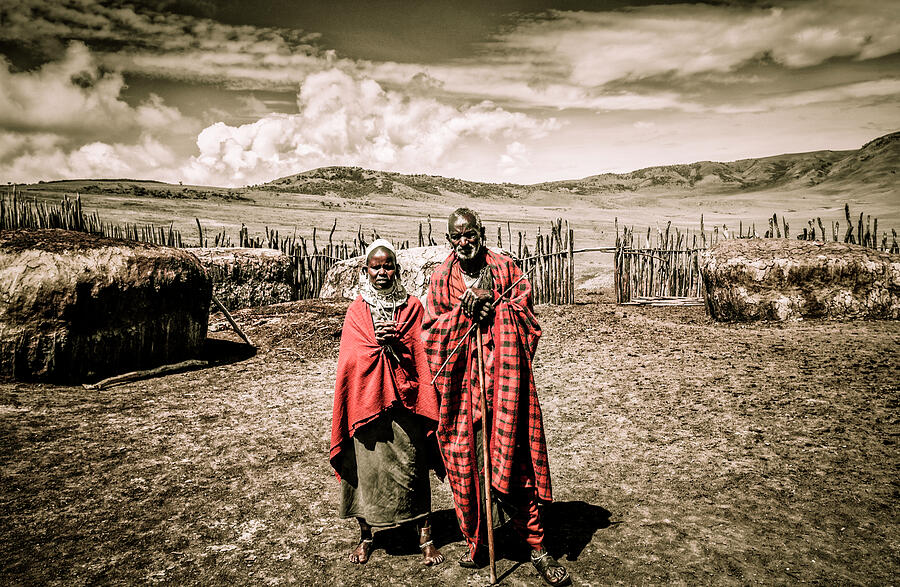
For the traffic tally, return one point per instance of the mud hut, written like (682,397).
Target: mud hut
(783,279)
(77,307)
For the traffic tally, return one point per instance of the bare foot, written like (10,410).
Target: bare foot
(360,554)
(430,554)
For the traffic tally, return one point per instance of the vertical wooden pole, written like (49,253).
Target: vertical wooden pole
(571,257)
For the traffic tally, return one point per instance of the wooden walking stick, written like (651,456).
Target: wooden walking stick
(486,452)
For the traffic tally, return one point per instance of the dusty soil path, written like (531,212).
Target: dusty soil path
(681,450)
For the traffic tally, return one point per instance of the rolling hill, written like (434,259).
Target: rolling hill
(355,182)
(874,165)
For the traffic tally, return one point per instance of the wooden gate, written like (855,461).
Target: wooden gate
(658,276)
(665,274)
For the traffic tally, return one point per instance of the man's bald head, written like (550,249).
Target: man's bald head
(467,213)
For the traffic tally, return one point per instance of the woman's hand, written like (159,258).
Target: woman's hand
(386,332)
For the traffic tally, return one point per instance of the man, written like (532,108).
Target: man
(471,284)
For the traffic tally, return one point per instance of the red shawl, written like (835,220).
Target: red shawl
(369,380)
(516,411)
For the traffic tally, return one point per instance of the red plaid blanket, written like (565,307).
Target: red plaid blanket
(515,408)
(369,380)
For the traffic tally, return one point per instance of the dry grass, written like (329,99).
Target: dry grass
(681,450)
(398,218)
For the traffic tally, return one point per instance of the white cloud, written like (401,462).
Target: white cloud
(854,93)
(514,160)
(74,97)
(43,157)
(70,95)
(595,48)
(562,59)
(172,45)
(346,121)
(587,59)
(67,119)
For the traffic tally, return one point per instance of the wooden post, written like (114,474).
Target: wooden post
(486,457)
(848,236)
(859,230)
(231,321)
(571,266)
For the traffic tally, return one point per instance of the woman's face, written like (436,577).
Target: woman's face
(381,269)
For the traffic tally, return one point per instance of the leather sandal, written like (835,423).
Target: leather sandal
(467,561)
(544,563)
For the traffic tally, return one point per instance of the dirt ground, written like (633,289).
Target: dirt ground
(682,451)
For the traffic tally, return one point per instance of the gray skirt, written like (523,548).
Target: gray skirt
(384,471)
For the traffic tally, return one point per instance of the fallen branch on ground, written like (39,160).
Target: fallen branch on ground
(145,374)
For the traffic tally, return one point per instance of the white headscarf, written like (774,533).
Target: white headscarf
(381,243)
(382,301)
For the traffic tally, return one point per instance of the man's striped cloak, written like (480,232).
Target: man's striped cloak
(515,408)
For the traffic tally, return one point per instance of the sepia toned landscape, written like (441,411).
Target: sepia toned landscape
(703,193)
(795,187)
(682,450)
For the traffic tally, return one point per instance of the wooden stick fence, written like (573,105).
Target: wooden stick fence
(552,255)
(68,214)
(552,263)
(667,268)
(656,266)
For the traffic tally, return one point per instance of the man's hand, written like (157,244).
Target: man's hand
(477,302)
(385,332)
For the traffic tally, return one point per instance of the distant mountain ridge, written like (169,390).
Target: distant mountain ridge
(358,182)
(874,164)
(873,167)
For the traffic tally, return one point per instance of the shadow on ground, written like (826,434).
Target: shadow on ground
(569,526)
(225,352)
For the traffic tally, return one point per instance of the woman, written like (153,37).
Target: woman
(385,410)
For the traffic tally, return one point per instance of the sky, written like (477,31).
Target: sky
(235,93)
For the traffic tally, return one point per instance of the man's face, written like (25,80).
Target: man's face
(381,269)
(465,237)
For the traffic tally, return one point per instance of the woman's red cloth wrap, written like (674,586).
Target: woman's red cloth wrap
(369,380)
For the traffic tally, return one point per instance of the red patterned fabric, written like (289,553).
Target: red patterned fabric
(369,380)
(527,522)
(516,413)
